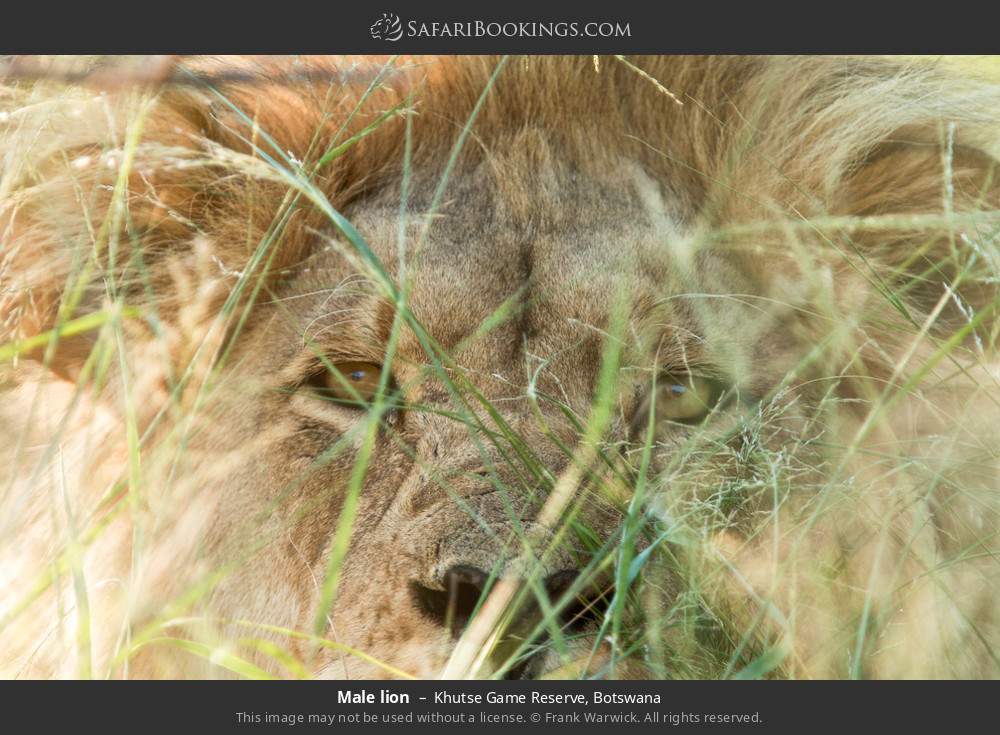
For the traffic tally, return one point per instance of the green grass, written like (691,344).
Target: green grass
(662,570)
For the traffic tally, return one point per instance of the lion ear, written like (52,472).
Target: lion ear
(926,209)
(118,196)
(91,222)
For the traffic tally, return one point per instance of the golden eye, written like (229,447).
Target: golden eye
(348,382)
(686,398)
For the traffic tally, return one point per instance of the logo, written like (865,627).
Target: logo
(387,28)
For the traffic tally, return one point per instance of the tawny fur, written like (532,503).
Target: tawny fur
(756,229)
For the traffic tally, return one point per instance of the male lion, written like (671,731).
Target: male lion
(665,367)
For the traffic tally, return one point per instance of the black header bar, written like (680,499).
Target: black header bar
(514,26)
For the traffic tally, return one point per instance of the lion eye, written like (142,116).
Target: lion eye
(686,398)
(348,382)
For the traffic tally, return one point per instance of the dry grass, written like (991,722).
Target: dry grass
(714,570)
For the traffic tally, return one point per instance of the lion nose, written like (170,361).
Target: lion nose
(465,588)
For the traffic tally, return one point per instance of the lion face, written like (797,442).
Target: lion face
(524,310)
(387,27)
(445,501)
(641,384)
(379,26)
